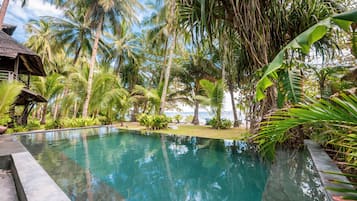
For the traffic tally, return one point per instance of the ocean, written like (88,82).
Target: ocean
(202,116)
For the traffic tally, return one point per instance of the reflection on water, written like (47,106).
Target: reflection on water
(107,164)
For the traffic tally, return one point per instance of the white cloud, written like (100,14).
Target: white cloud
(19,16)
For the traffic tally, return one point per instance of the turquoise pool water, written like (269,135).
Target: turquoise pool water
(110,164)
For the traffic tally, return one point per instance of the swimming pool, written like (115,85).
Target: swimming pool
(110,164)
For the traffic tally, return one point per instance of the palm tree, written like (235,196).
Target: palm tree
(99,13)
(214,97)
(262,31)
(194,69)
(42,41)
(171,8)
(73,32)
(49,87)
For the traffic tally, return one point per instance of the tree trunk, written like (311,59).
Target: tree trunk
(167,74)
(75,110)
(135,112)
(195,119)
(171,54)
(91,68)
(44,111)
(76,56)
(163,67)
(4,5)
(234,109)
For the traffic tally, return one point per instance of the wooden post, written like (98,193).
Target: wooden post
(28,80)
(16,67)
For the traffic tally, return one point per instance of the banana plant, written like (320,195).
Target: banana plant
(303,43)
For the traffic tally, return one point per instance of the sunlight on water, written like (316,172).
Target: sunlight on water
(110,164)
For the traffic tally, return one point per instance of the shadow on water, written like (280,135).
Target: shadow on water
(293,173)
(107,164)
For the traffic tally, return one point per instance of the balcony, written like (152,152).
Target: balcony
(8,75)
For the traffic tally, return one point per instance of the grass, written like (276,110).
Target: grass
(192,130)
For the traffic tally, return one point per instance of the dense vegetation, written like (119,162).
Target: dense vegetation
(101,67)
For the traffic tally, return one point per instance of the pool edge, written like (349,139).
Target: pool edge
(323,164)
(32,182)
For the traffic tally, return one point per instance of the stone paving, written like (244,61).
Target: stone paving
(7,186)
(8,145)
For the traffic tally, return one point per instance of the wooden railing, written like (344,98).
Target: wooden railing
(8,75)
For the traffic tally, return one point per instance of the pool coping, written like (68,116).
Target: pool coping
(324,164)
(32,182)
(54,130)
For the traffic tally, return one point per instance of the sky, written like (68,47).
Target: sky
(19,16)
(34,9)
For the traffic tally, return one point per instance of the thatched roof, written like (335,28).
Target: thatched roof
(10,49)
(9,29)
(27,95)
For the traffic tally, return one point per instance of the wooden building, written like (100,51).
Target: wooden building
(19,63)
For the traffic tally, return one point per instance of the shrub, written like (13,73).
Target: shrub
(54,124)
(154,122)
(18,129)
(178,118)
(33,125)
(223,124)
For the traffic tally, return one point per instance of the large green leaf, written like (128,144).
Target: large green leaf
(9,92)
(303,42)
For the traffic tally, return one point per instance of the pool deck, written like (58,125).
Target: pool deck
(22,178)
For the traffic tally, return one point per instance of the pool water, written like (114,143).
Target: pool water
(110,164)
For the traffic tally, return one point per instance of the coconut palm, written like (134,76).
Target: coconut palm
(195,68)
(73,32)
(99,13)
(262,31)
(49,87)
(214,97)
(42,41)
(171,27)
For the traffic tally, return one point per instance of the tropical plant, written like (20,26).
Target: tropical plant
(9,92)
(303,42)
(48,87)
(42,41)
(154,122)
(99,13)
(338,113)
(214,98)
(73,32)
(192,70)
(267,28)
(172,30)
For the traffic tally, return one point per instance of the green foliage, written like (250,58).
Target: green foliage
(154,122)
(53,124)
(9,92)
(303,42)
(71,123)
(223,124)
(214,96)
(178,118)
(33,125)
(338,115)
